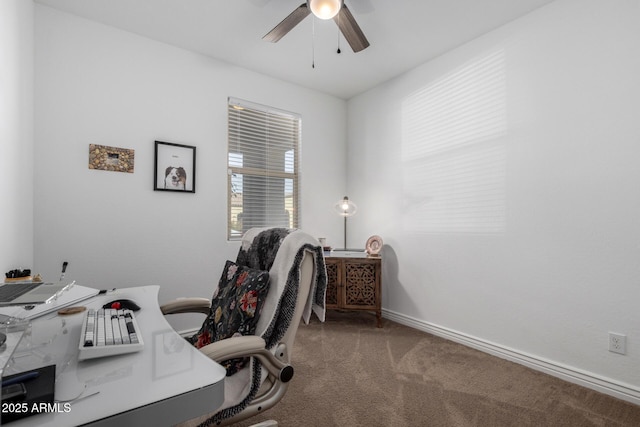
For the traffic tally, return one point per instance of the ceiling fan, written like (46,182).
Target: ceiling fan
(323,9)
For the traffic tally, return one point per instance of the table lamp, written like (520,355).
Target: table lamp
(345,208)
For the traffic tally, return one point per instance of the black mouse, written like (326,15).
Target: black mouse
(121,304)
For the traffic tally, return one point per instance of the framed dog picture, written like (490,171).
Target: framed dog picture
(175,168)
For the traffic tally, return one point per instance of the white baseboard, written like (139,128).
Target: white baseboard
(567,373)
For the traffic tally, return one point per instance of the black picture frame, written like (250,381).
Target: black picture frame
(175,167)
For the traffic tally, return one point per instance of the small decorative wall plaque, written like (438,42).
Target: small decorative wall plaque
(113,159)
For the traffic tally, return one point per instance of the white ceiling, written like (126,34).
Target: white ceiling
(402,33)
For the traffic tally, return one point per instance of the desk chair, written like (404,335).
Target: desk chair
(297,287)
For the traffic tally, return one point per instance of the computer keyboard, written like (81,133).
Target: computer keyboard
(109,332)
(11,291)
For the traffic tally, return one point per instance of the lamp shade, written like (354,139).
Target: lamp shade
(345,207)
(325,9)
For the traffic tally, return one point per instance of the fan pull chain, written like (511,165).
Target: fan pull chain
(339,51)
(313,42)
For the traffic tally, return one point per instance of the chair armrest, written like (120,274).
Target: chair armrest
(187,305)
(233,347)
(249,346)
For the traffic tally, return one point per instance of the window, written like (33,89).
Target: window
(262,167)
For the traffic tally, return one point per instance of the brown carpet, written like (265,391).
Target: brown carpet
(350,373)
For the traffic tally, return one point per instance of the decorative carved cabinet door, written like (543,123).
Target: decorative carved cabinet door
(353,283)
(334,273)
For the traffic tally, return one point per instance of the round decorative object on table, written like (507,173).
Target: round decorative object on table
(374,245)
(71,310)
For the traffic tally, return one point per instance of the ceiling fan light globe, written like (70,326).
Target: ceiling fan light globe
(325,9)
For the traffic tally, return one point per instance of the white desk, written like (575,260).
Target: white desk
(168,381)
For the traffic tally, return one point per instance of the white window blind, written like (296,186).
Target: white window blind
(262,167)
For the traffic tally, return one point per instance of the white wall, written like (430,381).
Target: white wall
(540,260)
(99,85)
(16,134)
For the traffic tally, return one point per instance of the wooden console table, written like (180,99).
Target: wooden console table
(353,282)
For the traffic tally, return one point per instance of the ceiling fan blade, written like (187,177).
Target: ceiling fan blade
(350,29)
(287,24)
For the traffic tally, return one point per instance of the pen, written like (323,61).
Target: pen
(21,378)
(64,268)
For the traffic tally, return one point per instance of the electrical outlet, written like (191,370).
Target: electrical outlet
(617,343)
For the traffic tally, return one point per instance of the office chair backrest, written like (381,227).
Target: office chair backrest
(297,288)
(281,251)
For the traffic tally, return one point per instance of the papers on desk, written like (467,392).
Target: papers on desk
(72,295)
